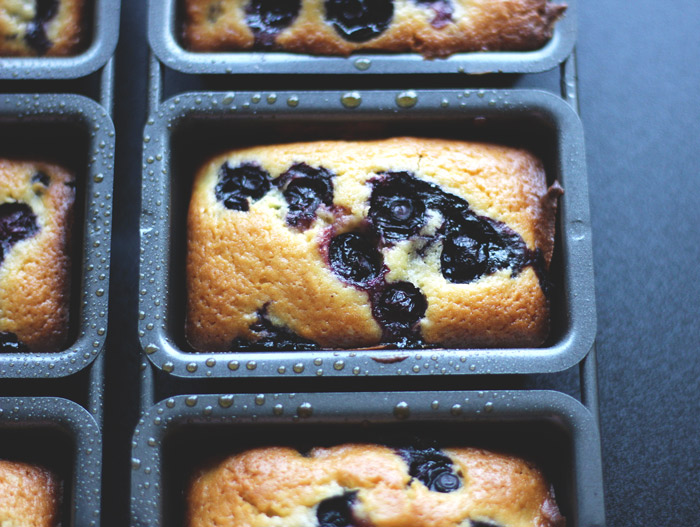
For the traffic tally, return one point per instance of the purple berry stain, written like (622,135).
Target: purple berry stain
(17,222)
(442,11)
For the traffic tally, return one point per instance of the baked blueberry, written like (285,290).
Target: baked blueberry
(40,177)
(400,303)
(266,18)
(337,511)
(359,20)
(237,184)
(442,11)
(463,258)
(396,210)
(17,222)
(432,468)
(481,523)
(354,258)
(272,337)
(306,188)
(35,34)
(9,343)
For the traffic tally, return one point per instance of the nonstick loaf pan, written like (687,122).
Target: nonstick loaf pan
(178,435)
(77,133)
(101,32)
(60,436)
(192,127)
(165,26)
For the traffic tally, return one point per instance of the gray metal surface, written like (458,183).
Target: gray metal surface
(177,435)
(77,132)
(164,23)
(190,127)
(62,436)
(105,33)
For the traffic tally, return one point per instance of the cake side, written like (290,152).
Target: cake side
(36,210)
(362,484)
(29,496)
(350,244)
(434,28)
(37,28)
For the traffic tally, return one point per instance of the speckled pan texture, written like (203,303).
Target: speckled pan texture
(167,19)
(57,40)
(75,133)
(191,128)
(27,426)
(181,435)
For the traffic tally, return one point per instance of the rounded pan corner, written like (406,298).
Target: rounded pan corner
(103,46)
(165,45)
(91,318)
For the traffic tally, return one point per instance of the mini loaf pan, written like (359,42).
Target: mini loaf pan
(190,128)
(178,435)
(77,133)
(165,20)
(29,424)
(101,29)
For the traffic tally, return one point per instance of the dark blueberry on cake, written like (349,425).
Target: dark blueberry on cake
(432,468)
(237,184)
(40,177)
(36,32)
(266,18)
(272,337)
(396,210)
(401,303)
(463,258)
(305,188)
(354,258)
(359,20)
(481,523)
(17,222)
(337,511)
(9,343)
(442,11)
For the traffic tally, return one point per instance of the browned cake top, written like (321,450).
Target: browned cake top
(29,496)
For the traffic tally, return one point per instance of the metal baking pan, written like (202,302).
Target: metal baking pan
(29,424)
(179,434)
(102,28)
(190,128)
(165,23)
(77,133)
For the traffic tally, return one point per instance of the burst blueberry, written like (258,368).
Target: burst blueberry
(305,188)
(336,511)
(396,211)
(359,20)
(432,468)
(354,258)
(442,11)
(17,222)
(463,258)
(240,184)
(35,34)
(401,303)
(9,343)
(267,18)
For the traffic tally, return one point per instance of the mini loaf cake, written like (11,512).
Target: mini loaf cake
(35,28)
(351,244)
(434,28)
(29,496)
(36,205)
(372,486)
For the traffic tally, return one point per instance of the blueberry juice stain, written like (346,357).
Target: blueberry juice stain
(442,11)
(267,18)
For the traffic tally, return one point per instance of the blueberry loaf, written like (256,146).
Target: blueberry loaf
(29,496)
(35,28)
(352,244)
(36,204)
(434,28)
(370,485)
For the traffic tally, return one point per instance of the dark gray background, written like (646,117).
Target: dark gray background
(639,71)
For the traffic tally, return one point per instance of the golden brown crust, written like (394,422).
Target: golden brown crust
(278,486)
(476,25)
(240,263)
(35,273)
(29,496)
(63,31)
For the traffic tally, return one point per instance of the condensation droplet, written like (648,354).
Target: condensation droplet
(272,98)
(135,463)
(251,365)
(191,367)
(278,409)
(168,367)
(191,401)
(281,369)
(305,410)
(210,362)
(298,368)
(363,64)
(456,409)
(150,349)
(338,365)
(293,101)
(233,365)
(402,410)
(407,99)
(99,178)
(260,399)
(488,407)
(351,99)
(435,405)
